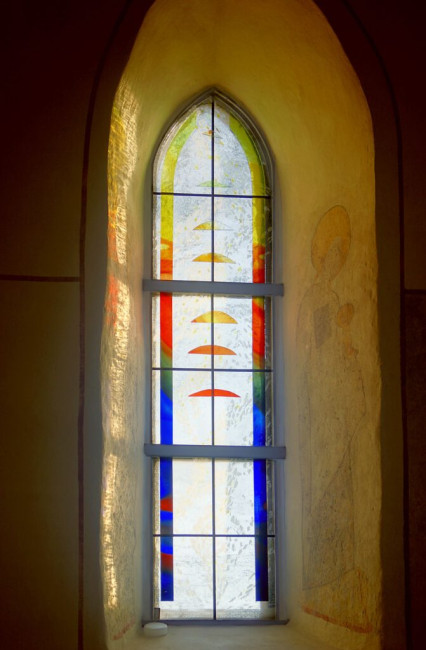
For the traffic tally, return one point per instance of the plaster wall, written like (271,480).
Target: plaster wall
(282,62)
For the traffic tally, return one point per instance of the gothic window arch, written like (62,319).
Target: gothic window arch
(212,425)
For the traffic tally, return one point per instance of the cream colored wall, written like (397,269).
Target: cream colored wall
(282,62)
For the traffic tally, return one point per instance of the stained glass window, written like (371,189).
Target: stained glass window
(213,515)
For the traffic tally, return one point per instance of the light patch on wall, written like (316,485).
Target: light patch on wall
(118,311)
(122,157)
(107,518)
(119,359)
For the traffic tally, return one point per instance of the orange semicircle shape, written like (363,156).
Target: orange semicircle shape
(211,349)
(214,317)
(213,257)
(210,225)
(216,392)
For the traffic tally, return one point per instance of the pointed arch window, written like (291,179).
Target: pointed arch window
(212,371)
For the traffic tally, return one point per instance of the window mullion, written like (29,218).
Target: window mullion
(215,451)
(258,289)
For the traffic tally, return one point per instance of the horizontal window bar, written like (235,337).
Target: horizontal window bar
(218,196)
(221,288)
(214,451)
(270,370)
(205,535)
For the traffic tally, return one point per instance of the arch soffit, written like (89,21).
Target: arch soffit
(376,88)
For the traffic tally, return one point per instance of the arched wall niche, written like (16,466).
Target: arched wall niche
(298,84)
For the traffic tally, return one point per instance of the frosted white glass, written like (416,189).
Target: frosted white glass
(192,577)
(192,496)
(191,415)
(235,580)
(189,336)
(235,575)
(189,243)
(234,497)
(193,166)
(192,422)
(155,324)
(235,336)
(231,168)
(155,398)
(236,242)
(234,415)
(193,169)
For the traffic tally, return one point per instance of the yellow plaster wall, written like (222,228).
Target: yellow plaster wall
(282,62)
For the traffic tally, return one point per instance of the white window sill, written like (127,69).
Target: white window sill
(263,637)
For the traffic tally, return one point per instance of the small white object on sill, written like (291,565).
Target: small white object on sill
(155,629)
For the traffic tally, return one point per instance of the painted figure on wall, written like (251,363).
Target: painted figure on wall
(331,405)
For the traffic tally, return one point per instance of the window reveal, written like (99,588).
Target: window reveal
(212,371)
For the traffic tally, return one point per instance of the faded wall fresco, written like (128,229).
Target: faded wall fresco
(332,406)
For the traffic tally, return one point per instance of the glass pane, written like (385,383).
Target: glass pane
(241,329)
(243,415)
(240,326)
(233,413)
(191,504)
(183,163)
(155,324)
(234,497)
(231,167)
(190,335)
(242,591)
(191,340)
(264,207)
(233,331)
(233,239)
(182,402)
(264,522)
(193,168)
(182,231)
(244,497)
(192,573)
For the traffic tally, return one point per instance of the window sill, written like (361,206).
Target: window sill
(274,637)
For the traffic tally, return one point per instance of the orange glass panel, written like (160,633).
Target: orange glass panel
(213,257)
(215,317)
(211,349)
(216,392)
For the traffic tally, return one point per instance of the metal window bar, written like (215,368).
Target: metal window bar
(189,369)
(215,288)
(217,196)
(214,451)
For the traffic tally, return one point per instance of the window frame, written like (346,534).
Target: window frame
(275,452)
